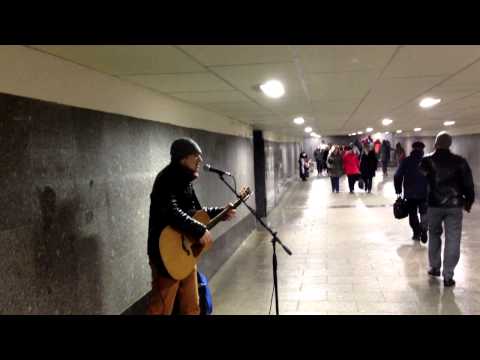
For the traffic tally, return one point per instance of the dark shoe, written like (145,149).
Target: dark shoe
(448,282)
(416,237)
(434,272)
(424,237)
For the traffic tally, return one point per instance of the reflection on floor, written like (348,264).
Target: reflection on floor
(350,256)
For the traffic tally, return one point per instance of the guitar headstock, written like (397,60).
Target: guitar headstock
(245,192)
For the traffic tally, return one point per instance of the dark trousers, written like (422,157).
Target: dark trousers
(368,183)
(384,166)
(415,207)
(319,166)
(335,183)
(351,181)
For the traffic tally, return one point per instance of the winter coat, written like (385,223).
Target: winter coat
(335,164)
(351,163)
(449,178)
(368,164)
(172,202)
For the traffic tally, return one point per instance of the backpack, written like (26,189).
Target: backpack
(205,295)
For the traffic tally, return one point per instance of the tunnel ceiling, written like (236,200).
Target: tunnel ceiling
(337,89)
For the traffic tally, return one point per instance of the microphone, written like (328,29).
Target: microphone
(208,167)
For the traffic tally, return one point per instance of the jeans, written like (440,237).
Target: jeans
(416,206)
(335,183)
(452,220)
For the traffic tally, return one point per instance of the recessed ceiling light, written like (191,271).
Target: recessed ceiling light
(299,120)
(417,129)
(273,89)
(429,102)
(386,132)
(387,122)
(449,123)
(354,134)
(359,132)
(369,129)
(399,131)
(308,129)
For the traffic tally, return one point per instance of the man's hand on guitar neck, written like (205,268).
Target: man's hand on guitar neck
(230,213)
(206,240)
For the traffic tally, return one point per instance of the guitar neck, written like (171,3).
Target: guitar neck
(220,216)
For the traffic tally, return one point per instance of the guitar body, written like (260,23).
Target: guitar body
(180,253)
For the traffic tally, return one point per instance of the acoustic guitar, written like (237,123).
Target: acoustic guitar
(179,253)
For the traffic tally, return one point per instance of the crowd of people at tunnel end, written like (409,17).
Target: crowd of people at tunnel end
(436,188)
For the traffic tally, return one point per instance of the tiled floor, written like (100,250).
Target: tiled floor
(350,256)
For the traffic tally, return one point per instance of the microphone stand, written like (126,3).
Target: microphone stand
(275,240)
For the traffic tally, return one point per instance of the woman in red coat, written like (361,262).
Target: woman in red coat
(351,167)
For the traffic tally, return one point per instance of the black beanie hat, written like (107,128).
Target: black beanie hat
(418,145)
(183,147)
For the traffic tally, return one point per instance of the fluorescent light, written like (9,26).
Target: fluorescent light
(387,122)
(299,120)
(369,130)
(354,134)
(399,131)
(308,129)
(273,89)
(429,102)
(417,129)
(359,132)
(449,123)
(386,133)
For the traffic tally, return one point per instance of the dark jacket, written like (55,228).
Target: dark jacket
(173,202)
(408,174)
(449,179)
(368,164)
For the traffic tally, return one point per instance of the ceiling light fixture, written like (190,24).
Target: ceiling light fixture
(417,129)
(429,102)
(299,120)
(449,123)
(359,132)
(308,129)
(387,122)
(369,129)
(273,89)
(399,131)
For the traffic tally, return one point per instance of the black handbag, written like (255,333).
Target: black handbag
(400,208)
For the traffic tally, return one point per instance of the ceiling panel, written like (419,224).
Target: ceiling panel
(391,93)
(231,109)
(342,86)
(247,78)
(344,107)
(126,59)
(290,106)
(212,55)
(429,60)
(334,59)
(211,96)
(180,82)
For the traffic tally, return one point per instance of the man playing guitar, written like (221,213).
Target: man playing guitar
(173,202)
